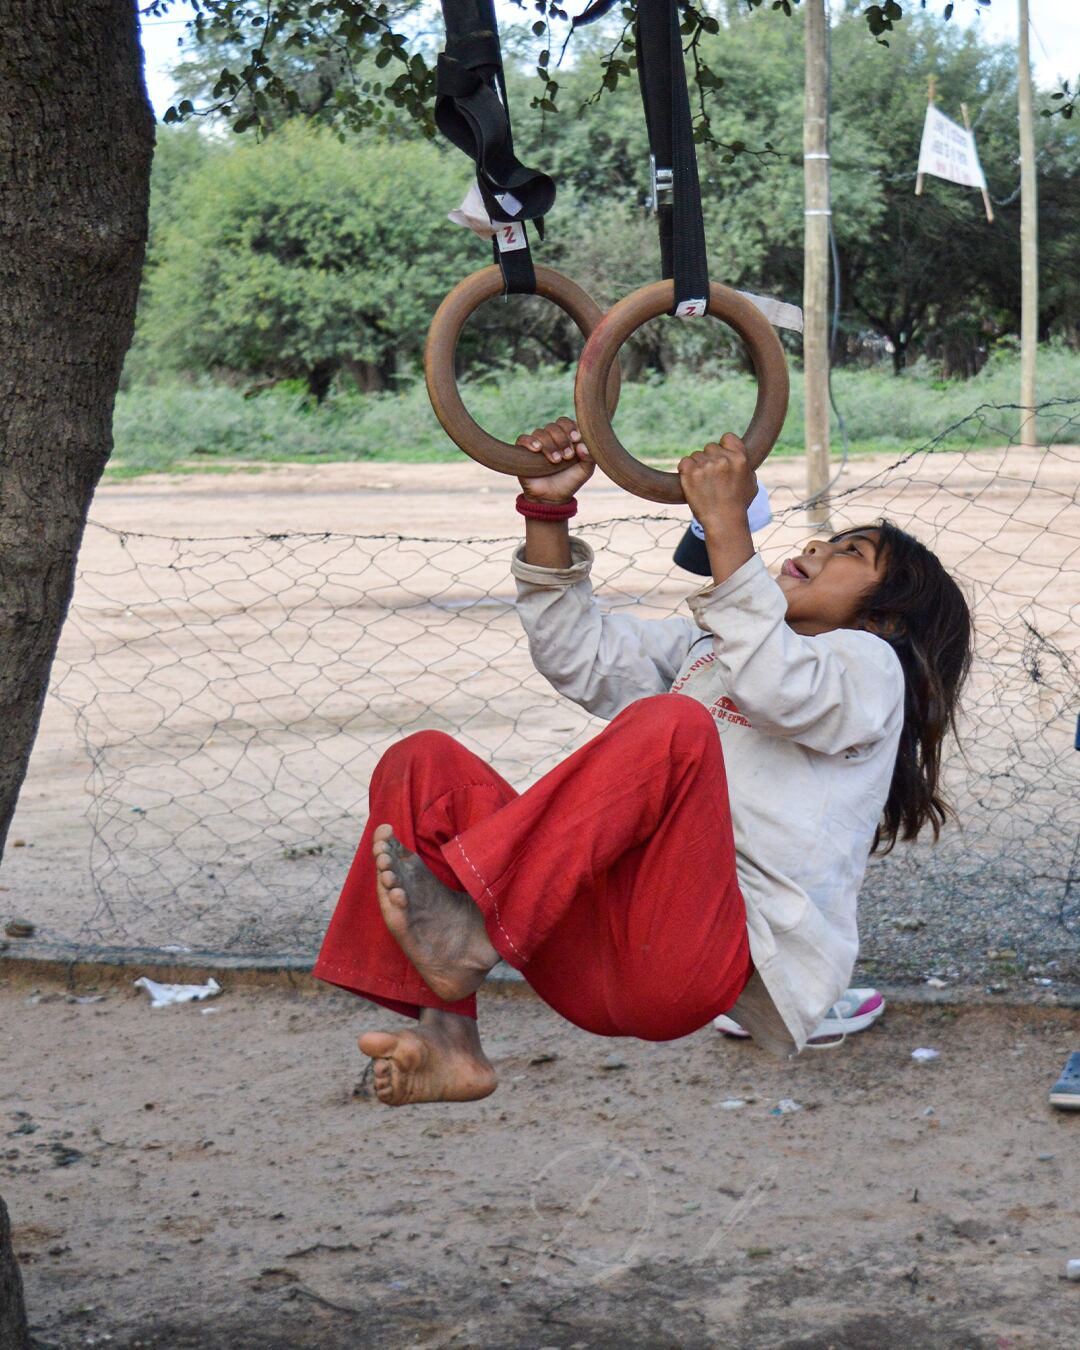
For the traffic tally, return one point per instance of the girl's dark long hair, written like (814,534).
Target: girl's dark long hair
(923,614)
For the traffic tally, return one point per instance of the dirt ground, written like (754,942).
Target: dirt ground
(215,1176)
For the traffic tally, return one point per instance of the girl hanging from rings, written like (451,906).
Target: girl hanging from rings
(703,853)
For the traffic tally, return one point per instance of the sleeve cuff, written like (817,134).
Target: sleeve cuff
(749,574)
(580,553)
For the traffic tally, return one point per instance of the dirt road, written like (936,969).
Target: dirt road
(212,1176)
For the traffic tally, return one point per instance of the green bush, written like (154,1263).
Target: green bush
(299,256)
(180,427)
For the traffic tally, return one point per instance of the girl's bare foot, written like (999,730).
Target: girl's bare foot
(441,931)
(441,1061)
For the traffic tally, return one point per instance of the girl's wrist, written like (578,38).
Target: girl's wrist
(721,517)
(547,543)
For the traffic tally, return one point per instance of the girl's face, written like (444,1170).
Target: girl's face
(825,584)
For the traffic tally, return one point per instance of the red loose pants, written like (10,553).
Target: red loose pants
(610,883)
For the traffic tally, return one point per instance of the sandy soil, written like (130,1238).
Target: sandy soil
(200,780)
(220,1179)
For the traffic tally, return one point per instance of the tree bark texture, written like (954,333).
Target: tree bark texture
(14,1334)
(76,141)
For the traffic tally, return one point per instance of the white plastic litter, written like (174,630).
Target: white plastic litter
(732,1104)
(472,213)
(1072,1269)
(935,983)
(923,1053)
(164,995)
(784,1107)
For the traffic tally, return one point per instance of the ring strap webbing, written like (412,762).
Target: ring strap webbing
(472,112)
(666,100)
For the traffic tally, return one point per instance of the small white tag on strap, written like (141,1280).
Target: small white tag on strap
(508,202)
(511,236)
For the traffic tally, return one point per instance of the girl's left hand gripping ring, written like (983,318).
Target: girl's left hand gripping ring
(442,340)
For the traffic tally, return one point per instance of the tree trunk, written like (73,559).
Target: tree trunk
(319,379)
(367,376)
(14,1334)
(76,140)
(372,377)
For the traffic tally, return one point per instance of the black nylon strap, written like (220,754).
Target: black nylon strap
(471,111)
(666,100)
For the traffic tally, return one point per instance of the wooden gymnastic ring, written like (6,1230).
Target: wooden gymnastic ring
(439,351)
(602,348)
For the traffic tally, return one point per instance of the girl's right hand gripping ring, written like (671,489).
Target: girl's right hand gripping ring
(599,357)
(439,355)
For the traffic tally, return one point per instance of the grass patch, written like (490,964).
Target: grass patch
(184,427)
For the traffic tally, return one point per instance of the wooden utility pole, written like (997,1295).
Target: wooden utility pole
(1029,242)
(816,260)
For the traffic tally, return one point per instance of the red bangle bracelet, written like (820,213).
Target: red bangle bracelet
(534,510)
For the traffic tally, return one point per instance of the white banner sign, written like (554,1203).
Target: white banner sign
(948,151)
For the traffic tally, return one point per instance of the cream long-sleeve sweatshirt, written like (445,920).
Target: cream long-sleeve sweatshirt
(809,727)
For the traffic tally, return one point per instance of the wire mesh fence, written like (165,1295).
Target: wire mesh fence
(230,697)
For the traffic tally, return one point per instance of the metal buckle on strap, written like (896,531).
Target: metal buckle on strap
(663,185)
